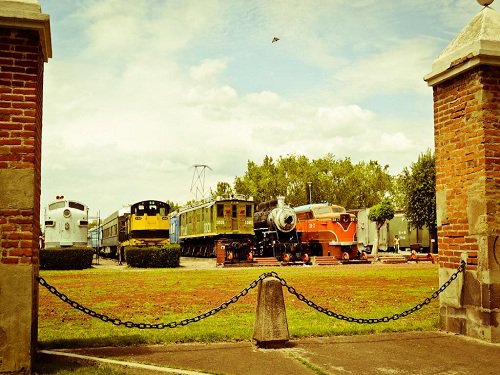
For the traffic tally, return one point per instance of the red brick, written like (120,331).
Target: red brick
(20,253)
(9,260)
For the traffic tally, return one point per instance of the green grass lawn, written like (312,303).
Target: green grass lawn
(166,295)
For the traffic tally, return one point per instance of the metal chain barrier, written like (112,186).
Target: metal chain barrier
(384,319)
(128,324)
(244,292)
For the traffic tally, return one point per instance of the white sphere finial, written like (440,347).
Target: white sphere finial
(485,3)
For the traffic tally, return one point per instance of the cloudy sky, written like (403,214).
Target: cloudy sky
(137,92)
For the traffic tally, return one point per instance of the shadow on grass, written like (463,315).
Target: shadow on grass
(46,364)
(92,342)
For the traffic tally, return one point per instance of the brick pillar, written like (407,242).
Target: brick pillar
(24,47)
(466,85)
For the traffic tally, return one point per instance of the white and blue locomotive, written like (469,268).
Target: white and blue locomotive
(66,223)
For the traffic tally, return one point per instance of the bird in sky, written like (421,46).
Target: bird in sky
(275,40)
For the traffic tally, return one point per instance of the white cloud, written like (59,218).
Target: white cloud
(397,68)
(208,69)
(152,88)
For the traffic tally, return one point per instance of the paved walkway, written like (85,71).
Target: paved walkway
(423,353)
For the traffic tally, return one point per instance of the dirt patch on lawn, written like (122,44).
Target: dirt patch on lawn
(185,263)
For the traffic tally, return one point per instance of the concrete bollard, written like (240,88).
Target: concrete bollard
(271,327)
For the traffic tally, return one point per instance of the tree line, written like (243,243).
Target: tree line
(326,179)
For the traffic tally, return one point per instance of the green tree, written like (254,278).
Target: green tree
(294,173)
(380,214)
(398,191)
(92,224)
(376,183)
(419,194)
(249,183)
(173,206)
(350,185)
(223,188)
(329,179)
(264,182)
(337,181)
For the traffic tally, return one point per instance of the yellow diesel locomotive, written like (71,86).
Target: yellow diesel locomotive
(146,224)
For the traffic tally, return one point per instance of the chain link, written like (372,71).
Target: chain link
(174,324)
(384,319)
(244,292)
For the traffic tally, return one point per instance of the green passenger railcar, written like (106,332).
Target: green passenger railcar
(223,223)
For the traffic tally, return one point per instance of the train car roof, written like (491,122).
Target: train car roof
(213,200)
(148,201)
(122,211)
(66,200)
(310,207)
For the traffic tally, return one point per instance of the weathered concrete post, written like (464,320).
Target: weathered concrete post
(24,47)
(466,84)
(271,327)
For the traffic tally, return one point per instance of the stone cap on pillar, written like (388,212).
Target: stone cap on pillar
(478,43)
(27,14)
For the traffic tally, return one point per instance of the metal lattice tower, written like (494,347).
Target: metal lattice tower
(198,181)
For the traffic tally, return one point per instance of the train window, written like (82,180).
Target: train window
(234,212)
(322,210)
(163,211)
(77,206)
(139,210)
(338,209)
(249,210)
(220,210)
(57,205)
(49,223)
(152,210)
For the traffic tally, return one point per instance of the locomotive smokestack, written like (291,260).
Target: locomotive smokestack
(281,201)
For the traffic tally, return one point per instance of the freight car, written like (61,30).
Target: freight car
(146,224)
(275,234)
(327,230)
(410,238)
(66,223)
(221,227)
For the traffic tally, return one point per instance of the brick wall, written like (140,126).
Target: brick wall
(466,113)
(24,47)
(491,123)
(21,80)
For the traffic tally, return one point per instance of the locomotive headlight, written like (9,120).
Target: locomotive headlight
(67,213)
